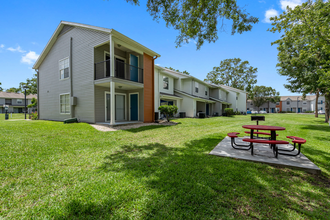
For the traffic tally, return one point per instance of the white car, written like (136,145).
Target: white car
(321,112)
(262,112)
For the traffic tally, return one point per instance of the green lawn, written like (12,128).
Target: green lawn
(52,170)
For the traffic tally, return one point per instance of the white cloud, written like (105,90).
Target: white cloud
(18,49)
(291,3)
(30,57)
(2,46)
(270,13)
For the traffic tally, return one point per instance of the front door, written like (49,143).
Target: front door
(134,111)
(120,107)
(207,109)
(134,64)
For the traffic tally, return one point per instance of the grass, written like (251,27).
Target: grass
(52,170)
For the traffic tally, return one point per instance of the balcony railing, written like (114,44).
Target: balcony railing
(122,71)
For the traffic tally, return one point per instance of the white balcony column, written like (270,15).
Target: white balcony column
(112,56)
(112,104)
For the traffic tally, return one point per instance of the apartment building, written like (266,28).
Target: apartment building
(192,95)
(290,103)
(14,101)
(99,75)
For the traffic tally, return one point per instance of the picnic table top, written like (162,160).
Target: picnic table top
(264,127)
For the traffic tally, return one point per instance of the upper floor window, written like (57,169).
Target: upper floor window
(236,97)
(64,68)
(304,103)
(321,102)
(277,103)
(251,103)
(19,101)
(65,104)
(165,82)
(196,87)
(205,91)
(288,102)
(8,101)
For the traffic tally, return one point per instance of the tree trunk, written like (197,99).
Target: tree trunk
(316,105)
(327,106)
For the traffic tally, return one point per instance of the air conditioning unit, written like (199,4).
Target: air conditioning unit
(73,100)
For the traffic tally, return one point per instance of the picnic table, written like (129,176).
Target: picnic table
(272,129)
(272,141)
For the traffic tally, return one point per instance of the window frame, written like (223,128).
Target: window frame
(65,113)
(21,101)
(288,102)
(196,87)
(59,71)
(168,82)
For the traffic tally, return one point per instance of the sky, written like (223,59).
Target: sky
(26,27)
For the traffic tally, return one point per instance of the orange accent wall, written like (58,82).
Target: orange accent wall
(148,94)
(279,106)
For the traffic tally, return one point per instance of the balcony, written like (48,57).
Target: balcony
(122,71)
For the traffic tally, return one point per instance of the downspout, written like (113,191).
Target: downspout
(38,109)
(153,87)
(71,90)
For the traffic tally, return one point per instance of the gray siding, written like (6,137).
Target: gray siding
(51,86)
(65,29)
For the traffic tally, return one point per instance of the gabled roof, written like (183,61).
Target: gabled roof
(193,96)
(115,33)
(297,97)
(232,89)
(12,95)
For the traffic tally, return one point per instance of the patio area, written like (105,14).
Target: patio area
(264,154)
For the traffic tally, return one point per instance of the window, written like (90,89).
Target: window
(165,82)
(236,97)
(304,103)
(321,102)
(8,101)
(304,110)
(277,103)
(288,102)
(64,68)
(65,104)
(205,91)
(196,87)
(19,101)
(251,103)
(287,109)
(247,109)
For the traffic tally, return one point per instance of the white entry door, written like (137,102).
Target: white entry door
(120,107)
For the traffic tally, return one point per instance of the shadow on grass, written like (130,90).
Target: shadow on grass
(186,183)
(150,127)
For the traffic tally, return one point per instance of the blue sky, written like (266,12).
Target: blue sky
(26,27)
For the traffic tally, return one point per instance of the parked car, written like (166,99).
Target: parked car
(254,112)
(262,112)
(248,112)
(321,112)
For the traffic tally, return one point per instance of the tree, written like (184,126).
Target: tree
(262,94)
(34,103)
(1,89)
(31,85)
(199,19)
(170,68)
(13,89)
(233,73)
(304,48)
(168,110)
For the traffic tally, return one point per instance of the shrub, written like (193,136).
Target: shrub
(229,111)
(309,112)
(34,116)
(237,113)
(168,110)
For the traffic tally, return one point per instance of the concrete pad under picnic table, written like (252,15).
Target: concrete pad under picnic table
(264,154)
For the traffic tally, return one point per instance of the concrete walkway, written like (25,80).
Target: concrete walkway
(263,154)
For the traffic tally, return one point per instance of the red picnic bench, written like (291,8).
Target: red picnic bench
(272,140)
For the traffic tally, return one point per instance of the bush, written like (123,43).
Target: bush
(229,111)
(309,112)
(237,113)
(34,116)
(168,110)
